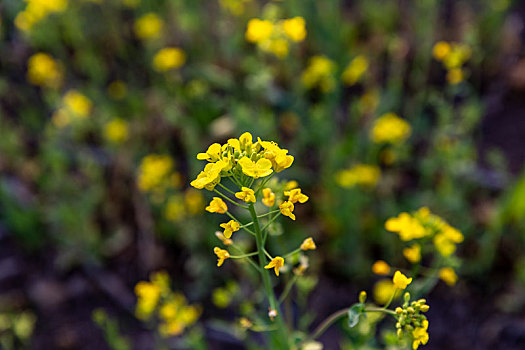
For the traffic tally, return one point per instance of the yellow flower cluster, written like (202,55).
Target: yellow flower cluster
(319,73)
(37,10)
(74,106)
(360,174)
(241,157)
(43,70)
(156,297)
(156,174)
(411,321)
(149,26)
(178,206)
(275,36)
(355,70)
(168,58)
(116,130)
(452,55)
(235,7)
(389,128)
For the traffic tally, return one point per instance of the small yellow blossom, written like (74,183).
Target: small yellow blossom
(261,168)
(383,291)
(36,11)
(279,157)
(295,28)
(217,205)
(355,70)
(193,201)
(268,197)
(276,263)
(401,281)
(441,50)
(455,76)
(448,275)
(213,153)
(230,227)
(287,209)
(380,267)
(406,226)
(420,335)
(77,104)
(246,194)
(154,172)
(258,30)
(320,72)
(222,255)
(148,295)
(444,245)
(389,128)
(210,176)
(224,240)
(149,26)
(116,130)
(413,253)
(308,244)
(43,70)
(174,210)
(360,174)
(168,58)
(295,196)
(290,185)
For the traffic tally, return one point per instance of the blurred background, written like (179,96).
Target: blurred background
(387,106)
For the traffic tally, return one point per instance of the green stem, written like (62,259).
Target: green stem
(243,226)
(243,256)
(264,183)
(229,199)
(226,188)
(268,213)
(282,336)
(292,253)
(268,225)
(288,288)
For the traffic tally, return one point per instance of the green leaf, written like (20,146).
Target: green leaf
(355,311)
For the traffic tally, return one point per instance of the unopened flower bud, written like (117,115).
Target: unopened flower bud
(362,296)
(407,297)
(399,310)
(425,308)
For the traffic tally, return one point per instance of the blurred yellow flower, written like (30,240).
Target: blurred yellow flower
(116,130)
(37,10)
(383,291)
(193,201)
(246,194)
(448,275)
(295,28)
(43,70)
(168,58)
(154,172)
(406,226)
(230,227)
(413,253)
(175,210)
(420,335)
(148,295)
(441,50)
(360,174)
(217,205)
(455,76)
(235,7)
(268,197)
(389,128)
(149,26)
(320,72)
(355,70)
(380,267)
(276,263)
(308,244)
(401,281)
(258,30)
(221,255)
(287,209)
(78,104)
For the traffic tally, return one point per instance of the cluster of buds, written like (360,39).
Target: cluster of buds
(409,316)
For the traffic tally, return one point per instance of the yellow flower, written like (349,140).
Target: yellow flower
(210,176)
(37,10)
(213,153)
(453,234)
(168,58)
(290,185)
(420,335)
(455,76)
(413,253)
(360,174)
(444,245)
(295,196)
(355,70)
(258,30)
(221,255)
(78,104)
(406,226)
(148,295)
(320,73)
(246,194)
(308,244)
(295,28)
(389,128)
(459,54)
(43,70)
(279,157)
(441,50)
(448,275)
(149,26)
(174,210)
(154,172)
(380,267)
(230,227)
(287,209)
(268,197)
(261,168)
(116,130)
(383,291)
(276,263)
(217,205)
(401,281)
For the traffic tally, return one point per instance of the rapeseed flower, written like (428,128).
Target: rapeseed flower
(295,28)
(360,174)
(154,172)
(295,196)
(169,58)
(287,209)
(355,70)
(43,70)
(389,128)
(260,168)
(276,263)
(258,30)
(308,244)
(149,26)
(230,227)
(380,267)
(420,335)
(246,194)
(406,226)
(175,210)
(320,72)
(217,205)
(448,275)
(222,255)
(401,281)
(268,197)
(383,291)
(413,253)
(116,130)
(37,10)
(77,104)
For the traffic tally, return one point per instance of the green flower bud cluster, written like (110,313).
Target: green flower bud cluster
(409,316)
